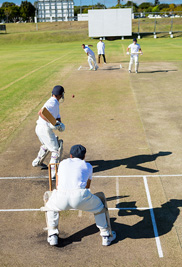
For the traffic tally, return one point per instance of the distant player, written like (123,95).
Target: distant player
(101,50)
(91,57)
(135,49)
(44,131)
(74,179)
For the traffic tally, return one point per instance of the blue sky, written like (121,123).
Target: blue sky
(106,2)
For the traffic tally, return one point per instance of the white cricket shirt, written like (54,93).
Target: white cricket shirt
(73,173)
(89,51)
(134,48)
(101,48)
(52,105)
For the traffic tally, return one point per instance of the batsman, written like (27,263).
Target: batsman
(74,180)
(134,55)
(44,130)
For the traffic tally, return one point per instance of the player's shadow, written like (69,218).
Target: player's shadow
(165,217)
(131,163)
(156,71)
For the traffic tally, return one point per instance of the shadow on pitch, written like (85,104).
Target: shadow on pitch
(156,71)
(131,163)
(165,217)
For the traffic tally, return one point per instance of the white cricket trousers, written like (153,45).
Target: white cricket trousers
(49,142)
(90,60)
(136,59)
(80,199)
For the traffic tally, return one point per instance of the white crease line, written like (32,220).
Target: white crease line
(96,176)
(117,190)
(25,177)
(13,210)
(158,243)
(79,68)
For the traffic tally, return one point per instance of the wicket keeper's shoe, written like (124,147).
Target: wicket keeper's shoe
(53,240)
(106,240)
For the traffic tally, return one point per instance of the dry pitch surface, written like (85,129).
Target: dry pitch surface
(131,127)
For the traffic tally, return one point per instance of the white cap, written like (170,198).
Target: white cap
(100,39)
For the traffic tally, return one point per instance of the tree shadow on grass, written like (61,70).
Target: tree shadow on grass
(131,163)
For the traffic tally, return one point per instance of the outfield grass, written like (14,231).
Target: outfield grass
(32,63)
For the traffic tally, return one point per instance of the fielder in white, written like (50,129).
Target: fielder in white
(135,51)
(91,57)
(101,50)
(74,179)
(44,131)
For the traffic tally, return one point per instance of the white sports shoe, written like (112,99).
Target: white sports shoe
(129,71)
(106,240)
(91,69)
(53,240)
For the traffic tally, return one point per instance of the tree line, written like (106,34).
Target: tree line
(10,12)
(144,7)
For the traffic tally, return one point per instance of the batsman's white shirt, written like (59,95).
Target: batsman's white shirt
(89,51)
(52,105)
(101,48)
(73,174)
(134,48)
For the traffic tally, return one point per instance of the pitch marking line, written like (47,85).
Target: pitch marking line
(158,243)
(79,211)
(28,74)
(94,176)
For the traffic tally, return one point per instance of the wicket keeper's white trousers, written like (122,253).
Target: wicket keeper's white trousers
(81,199)
(134,58)
(90,60)
(49,141)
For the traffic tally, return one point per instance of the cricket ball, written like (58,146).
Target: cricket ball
(73,96)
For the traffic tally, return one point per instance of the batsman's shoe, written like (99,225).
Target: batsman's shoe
(91,69)
(53,240)
(96,68)
(106,240)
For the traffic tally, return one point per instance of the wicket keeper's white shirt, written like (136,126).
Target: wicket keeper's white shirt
(73,173)
(134,48)
(52,105)
(89,51)
(101,48)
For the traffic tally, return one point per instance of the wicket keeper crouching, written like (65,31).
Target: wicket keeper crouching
(74,179)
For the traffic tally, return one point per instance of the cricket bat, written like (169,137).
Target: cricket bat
(48,116)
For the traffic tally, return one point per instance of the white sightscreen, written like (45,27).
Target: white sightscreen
(110,22)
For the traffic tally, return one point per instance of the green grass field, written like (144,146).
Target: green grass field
(131,127)
(29,68)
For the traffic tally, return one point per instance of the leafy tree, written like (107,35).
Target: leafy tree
(172,7)
(27,10)
(156,3)
(2,15)
(161,6)
(145,5)
(7,4)
(155,9)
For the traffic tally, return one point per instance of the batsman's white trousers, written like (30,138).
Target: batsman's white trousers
(80,199)
(136,59)
(90,60)
(49,140)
